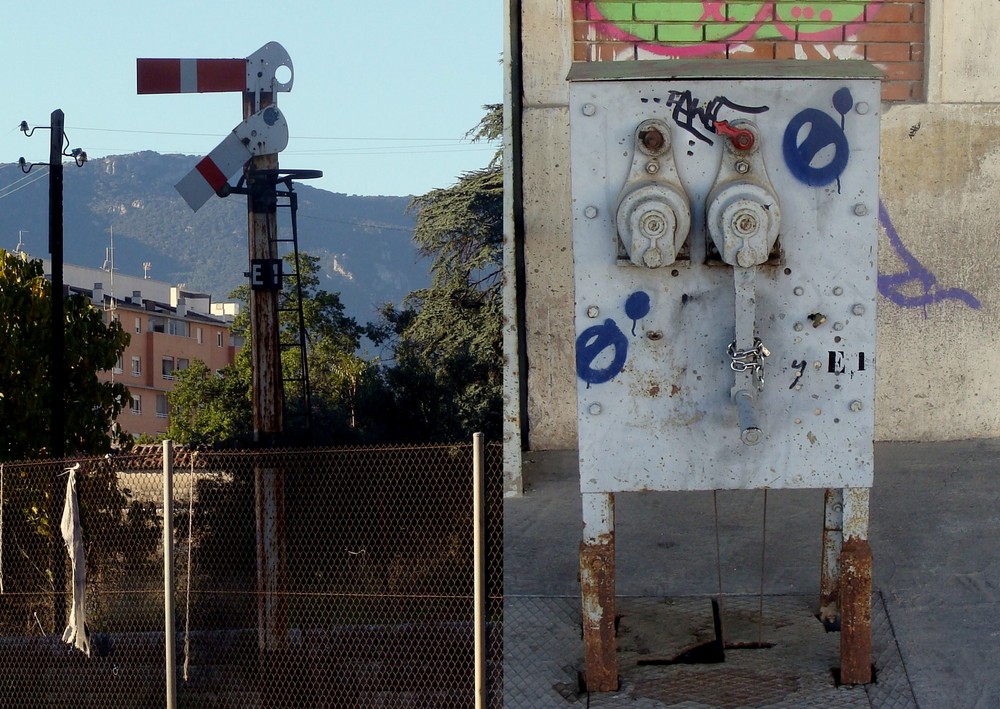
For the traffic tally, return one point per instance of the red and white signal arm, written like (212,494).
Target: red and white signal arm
(258,72)
(263,133)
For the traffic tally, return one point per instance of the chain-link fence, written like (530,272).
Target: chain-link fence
(302,578)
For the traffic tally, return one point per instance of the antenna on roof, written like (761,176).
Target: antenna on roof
(109,255)
(20,242)
(146,265)
(109,266)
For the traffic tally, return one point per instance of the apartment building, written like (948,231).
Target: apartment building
(170,327)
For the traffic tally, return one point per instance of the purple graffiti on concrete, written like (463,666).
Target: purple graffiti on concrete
(893,286)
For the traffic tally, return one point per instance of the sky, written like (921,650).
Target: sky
(384,92)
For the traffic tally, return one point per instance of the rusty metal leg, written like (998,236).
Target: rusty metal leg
(855,590)
(829,581)
(597,587)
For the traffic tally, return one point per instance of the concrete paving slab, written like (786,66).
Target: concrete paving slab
(934,523)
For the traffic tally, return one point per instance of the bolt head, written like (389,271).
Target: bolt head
(590,212)
(589,109)
(858,309)
(860,210)
(856,406)
(593,311)
(594,409)
(652,167)
(742,167)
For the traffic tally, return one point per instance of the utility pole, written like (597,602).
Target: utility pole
(58,312)
(57,359)
(253,146)
(57,345)
(268,397)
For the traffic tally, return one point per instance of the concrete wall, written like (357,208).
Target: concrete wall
(937,364)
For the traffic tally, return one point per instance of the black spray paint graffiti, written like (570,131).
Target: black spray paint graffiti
(899,287)
(812,132)
(687,111)
(606,340)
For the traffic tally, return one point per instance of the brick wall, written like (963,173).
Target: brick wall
(890,34)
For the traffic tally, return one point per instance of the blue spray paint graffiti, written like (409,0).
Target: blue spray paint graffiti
(597,339)
(591,343)
(893,286)
(637,307)
(822,132)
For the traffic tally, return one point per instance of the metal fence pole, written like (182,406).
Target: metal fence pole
(168,572)
(479,562)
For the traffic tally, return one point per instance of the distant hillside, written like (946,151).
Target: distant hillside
(365,243)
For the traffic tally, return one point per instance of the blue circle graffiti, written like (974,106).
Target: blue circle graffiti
(843,102)
(591,343)
(821,133)
(637,307)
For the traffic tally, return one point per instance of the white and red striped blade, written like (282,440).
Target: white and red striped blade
(181,76)
(214,171)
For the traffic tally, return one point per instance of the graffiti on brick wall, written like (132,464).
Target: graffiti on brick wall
(684,29)
(915,286)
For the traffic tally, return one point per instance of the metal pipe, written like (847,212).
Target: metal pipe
(479,564)
(597,591)
(168,573)
(750,432)
(829,580)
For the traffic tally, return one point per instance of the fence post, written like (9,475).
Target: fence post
(168,572)
(479,562)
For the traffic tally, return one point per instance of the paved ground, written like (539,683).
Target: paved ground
(934,526)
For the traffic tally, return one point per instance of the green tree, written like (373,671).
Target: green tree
(91,346)
(216,408)
(447,373)
(208,408)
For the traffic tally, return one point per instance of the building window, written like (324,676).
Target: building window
(168,368)
(136,366)
(138,325)
(218,339)
(161,406)
(182,364)
(178,327)
(198,335)
(119,365)
(136,404)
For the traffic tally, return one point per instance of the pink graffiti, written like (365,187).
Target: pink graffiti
(712,11)
(741,32)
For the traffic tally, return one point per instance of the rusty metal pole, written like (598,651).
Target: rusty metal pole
(597,589)
(479,565)
(268,404)
(856,590)
(833,537)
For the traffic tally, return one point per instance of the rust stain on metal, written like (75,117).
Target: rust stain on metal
(597,587)
(674,390)
(654,390)
(856,612)
(829,582)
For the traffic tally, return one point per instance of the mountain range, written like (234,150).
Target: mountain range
(364,243)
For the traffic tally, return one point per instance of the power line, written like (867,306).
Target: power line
(295,137)
(35,178)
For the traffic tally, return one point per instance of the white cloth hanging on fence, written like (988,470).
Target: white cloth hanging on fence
(76,633)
